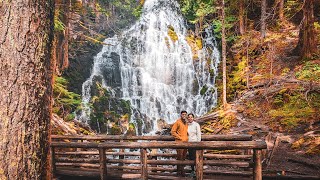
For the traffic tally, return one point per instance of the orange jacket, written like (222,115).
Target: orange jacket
(179,130)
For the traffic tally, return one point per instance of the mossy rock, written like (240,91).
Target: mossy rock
(172,34)
(116,130)
(70,117)
(84,131)
(199,43)
(228,121)
(203,90)
(131,130)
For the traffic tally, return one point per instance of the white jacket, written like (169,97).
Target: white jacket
(194,132)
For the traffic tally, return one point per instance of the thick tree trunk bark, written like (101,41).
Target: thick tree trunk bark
(241,17)
(309,45)
(263,18)
(224,58)
(307,39)
(26,31)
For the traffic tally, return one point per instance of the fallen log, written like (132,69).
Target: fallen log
(208,129)
(207,117)
(218,130)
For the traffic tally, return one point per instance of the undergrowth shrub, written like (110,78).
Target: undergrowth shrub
(292,108)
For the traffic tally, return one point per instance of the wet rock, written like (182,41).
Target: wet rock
(162,124)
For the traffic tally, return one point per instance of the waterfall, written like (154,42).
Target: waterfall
(154,67)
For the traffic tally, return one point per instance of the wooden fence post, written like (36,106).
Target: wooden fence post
(79,141)
(103,166)
(257,169)
(53,161)
(199,164)
(144,165)
(121,156)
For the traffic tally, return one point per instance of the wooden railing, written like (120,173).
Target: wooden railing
(150,168)
(243,137)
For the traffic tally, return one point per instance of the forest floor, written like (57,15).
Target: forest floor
(274,104)
(281,158)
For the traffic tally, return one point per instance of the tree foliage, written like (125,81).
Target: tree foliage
(65,102)
(206,13)
(58,24)
(194,10)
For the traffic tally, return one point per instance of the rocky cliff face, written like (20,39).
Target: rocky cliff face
(80,28)
(88,24)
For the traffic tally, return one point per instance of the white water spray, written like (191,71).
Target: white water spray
(159,75)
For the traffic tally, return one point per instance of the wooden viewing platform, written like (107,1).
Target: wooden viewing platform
(122,157)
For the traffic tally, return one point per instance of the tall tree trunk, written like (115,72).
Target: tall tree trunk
(241,17)
(309,45)
(61,40)
(26,32)
(224,58)
(263,18)
(307,38)
(281,12)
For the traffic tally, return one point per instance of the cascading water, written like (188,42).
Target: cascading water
(153,66)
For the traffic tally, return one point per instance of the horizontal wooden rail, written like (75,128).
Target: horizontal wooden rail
(77,160)
(157,162)
(171,170)
(227,156)
(96,166)
(97,153)
(208,155)
(219,145)
(243,137)
(84,165)
(95,173)
(100,159)
(206,171)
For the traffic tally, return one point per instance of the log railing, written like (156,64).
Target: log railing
(242,137)
(98,155)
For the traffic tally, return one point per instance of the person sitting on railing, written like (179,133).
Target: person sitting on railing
(194,135)
(179,131)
